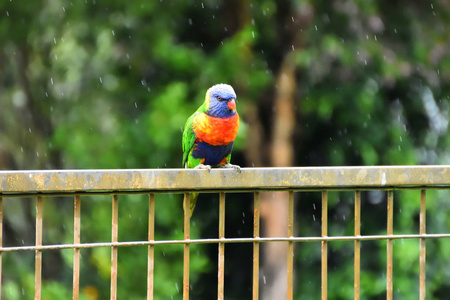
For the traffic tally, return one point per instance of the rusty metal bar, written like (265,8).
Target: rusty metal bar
(357,265)
(186,225)
(114,239)
(422,243)
(324,245)
(256,219)
(1,242)
(227,241)
(221,263)
(389,247)
(250,179)
(151,247)
(290,249)
(38,253)
(76,251)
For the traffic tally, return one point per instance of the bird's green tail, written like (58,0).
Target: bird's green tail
(193,201)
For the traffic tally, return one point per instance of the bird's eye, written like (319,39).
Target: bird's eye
(219,98)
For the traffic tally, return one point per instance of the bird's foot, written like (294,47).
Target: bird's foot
(230,166)
(203,167)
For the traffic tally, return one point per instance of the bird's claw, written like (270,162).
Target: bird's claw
(203,167)
(230,166)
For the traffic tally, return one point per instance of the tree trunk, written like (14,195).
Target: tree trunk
(274,206)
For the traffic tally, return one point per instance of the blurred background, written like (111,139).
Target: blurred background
(109,84)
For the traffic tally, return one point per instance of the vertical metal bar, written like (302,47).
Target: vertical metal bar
(256,218)
(38,254)
(1,242)
(324,245)
(114,239)
(151,248)
(422,244)
(187,204)
(221,266)
(357,245)
(389,247)
(76,251)
(290,254)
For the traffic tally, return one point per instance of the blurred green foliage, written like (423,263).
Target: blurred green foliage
(109,84)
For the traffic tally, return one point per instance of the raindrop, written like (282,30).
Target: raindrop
(64,9)
(292,19)
(395,30)
(432,7)
(253,34)
(21,149)
(37,154)
(136,121)
(314,206)
(46,94)
(203,5)
(135,104)
(243,214)
(315,26)
(112,31)
(399,148)
(7,13)
(264,279)
(56,57)
(314,218)
(343,217)
(365,62)
(201,44)
(375,37)
(100,78)
(293,48)
(221,42)
(51,80)
(367,36)
(253,21)
(190,21)
(225,28)
(54,40)
(29,129)
(176,286)
(400,137)
(438,72)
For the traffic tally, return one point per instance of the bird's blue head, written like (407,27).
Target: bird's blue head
(220,100)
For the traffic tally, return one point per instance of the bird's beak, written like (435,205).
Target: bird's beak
(231,105)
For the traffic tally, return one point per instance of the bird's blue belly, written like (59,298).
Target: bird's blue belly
(213,155)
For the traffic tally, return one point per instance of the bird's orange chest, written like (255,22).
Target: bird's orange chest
(216,131)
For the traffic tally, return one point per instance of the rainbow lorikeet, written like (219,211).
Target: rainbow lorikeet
(209,133)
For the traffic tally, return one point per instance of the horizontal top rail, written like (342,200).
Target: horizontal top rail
(181,180)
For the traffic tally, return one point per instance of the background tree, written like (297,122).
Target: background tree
(109,84)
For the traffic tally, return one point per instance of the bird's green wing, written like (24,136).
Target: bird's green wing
(188,138)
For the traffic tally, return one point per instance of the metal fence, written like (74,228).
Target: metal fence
(76,183)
